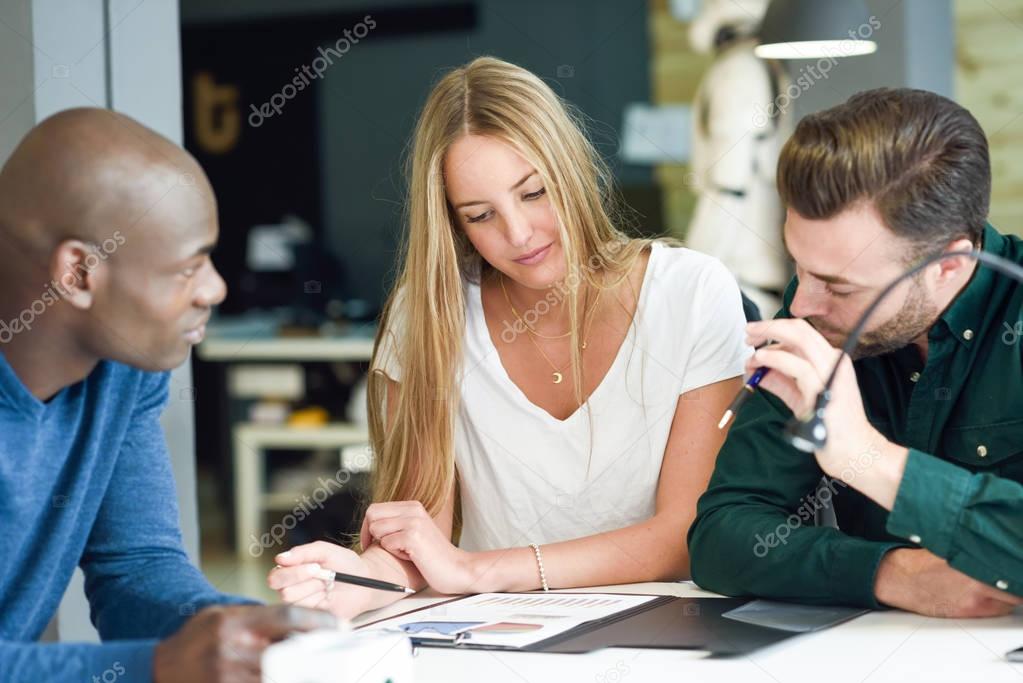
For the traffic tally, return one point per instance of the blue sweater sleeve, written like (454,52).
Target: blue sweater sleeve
(126,661)
(138,579)
(140,584)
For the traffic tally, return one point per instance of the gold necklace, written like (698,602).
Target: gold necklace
(588,316)
(557,376)
(524,323)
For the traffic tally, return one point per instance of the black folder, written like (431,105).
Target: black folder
(667,622)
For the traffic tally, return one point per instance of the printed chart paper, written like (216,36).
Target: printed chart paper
(512,620)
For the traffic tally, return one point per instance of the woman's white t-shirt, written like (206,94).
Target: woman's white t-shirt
(527,477)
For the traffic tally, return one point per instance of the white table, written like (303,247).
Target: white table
(879,646)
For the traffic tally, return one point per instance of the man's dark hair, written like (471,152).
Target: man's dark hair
(919,158)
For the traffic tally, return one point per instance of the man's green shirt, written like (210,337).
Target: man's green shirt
(961,497)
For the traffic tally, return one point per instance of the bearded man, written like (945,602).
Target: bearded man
(923,462)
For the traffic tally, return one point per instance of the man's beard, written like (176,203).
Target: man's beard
(916,316)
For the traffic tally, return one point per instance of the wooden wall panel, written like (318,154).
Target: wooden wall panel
(989,82)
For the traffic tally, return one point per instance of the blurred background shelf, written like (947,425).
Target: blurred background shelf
(265,337)
(262,369)
(332,435)
(251,446)
(326,349)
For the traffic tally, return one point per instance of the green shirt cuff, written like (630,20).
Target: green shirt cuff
(854,569)
(929,502)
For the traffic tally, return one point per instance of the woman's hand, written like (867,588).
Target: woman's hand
(406,530)
(298,579)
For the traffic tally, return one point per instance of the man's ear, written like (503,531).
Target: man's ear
(951,268)
(73,270)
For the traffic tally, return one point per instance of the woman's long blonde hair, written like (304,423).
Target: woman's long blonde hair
(414,454)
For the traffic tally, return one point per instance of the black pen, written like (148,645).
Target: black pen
(366,582)
(363,581)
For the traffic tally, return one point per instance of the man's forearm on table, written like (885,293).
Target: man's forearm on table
(974,521)
(128,661)
(749,550)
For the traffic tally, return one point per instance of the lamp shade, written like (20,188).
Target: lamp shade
(810,29)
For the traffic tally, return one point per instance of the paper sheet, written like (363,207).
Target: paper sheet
(508,619)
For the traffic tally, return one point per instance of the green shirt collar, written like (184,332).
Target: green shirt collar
(965,315)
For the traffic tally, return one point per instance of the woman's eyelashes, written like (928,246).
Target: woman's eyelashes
(528,197)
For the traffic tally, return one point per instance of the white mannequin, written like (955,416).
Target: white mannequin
(736,141)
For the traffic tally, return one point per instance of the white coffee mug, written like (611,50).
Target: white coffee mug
(340,657)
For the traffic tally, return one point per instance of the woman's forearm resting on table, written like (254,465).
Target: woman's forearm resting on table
(653,550)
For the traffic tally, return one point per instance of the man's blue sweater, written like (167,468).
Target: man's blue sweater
(85,481)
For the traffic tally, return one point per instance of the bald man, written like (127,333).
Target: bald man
(106,230)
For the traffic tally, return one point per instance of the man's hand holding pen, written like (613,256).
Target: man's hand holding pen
(800,360)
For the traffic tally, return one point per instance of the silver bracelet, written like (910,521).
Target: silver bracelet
(539,564)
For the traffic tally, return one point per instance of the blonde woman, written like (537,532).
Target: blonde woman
(541,384)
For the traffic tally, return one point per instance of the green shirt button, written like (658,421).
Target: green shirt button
(914,377)
(1002,584)
(982,450)
(968,335)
